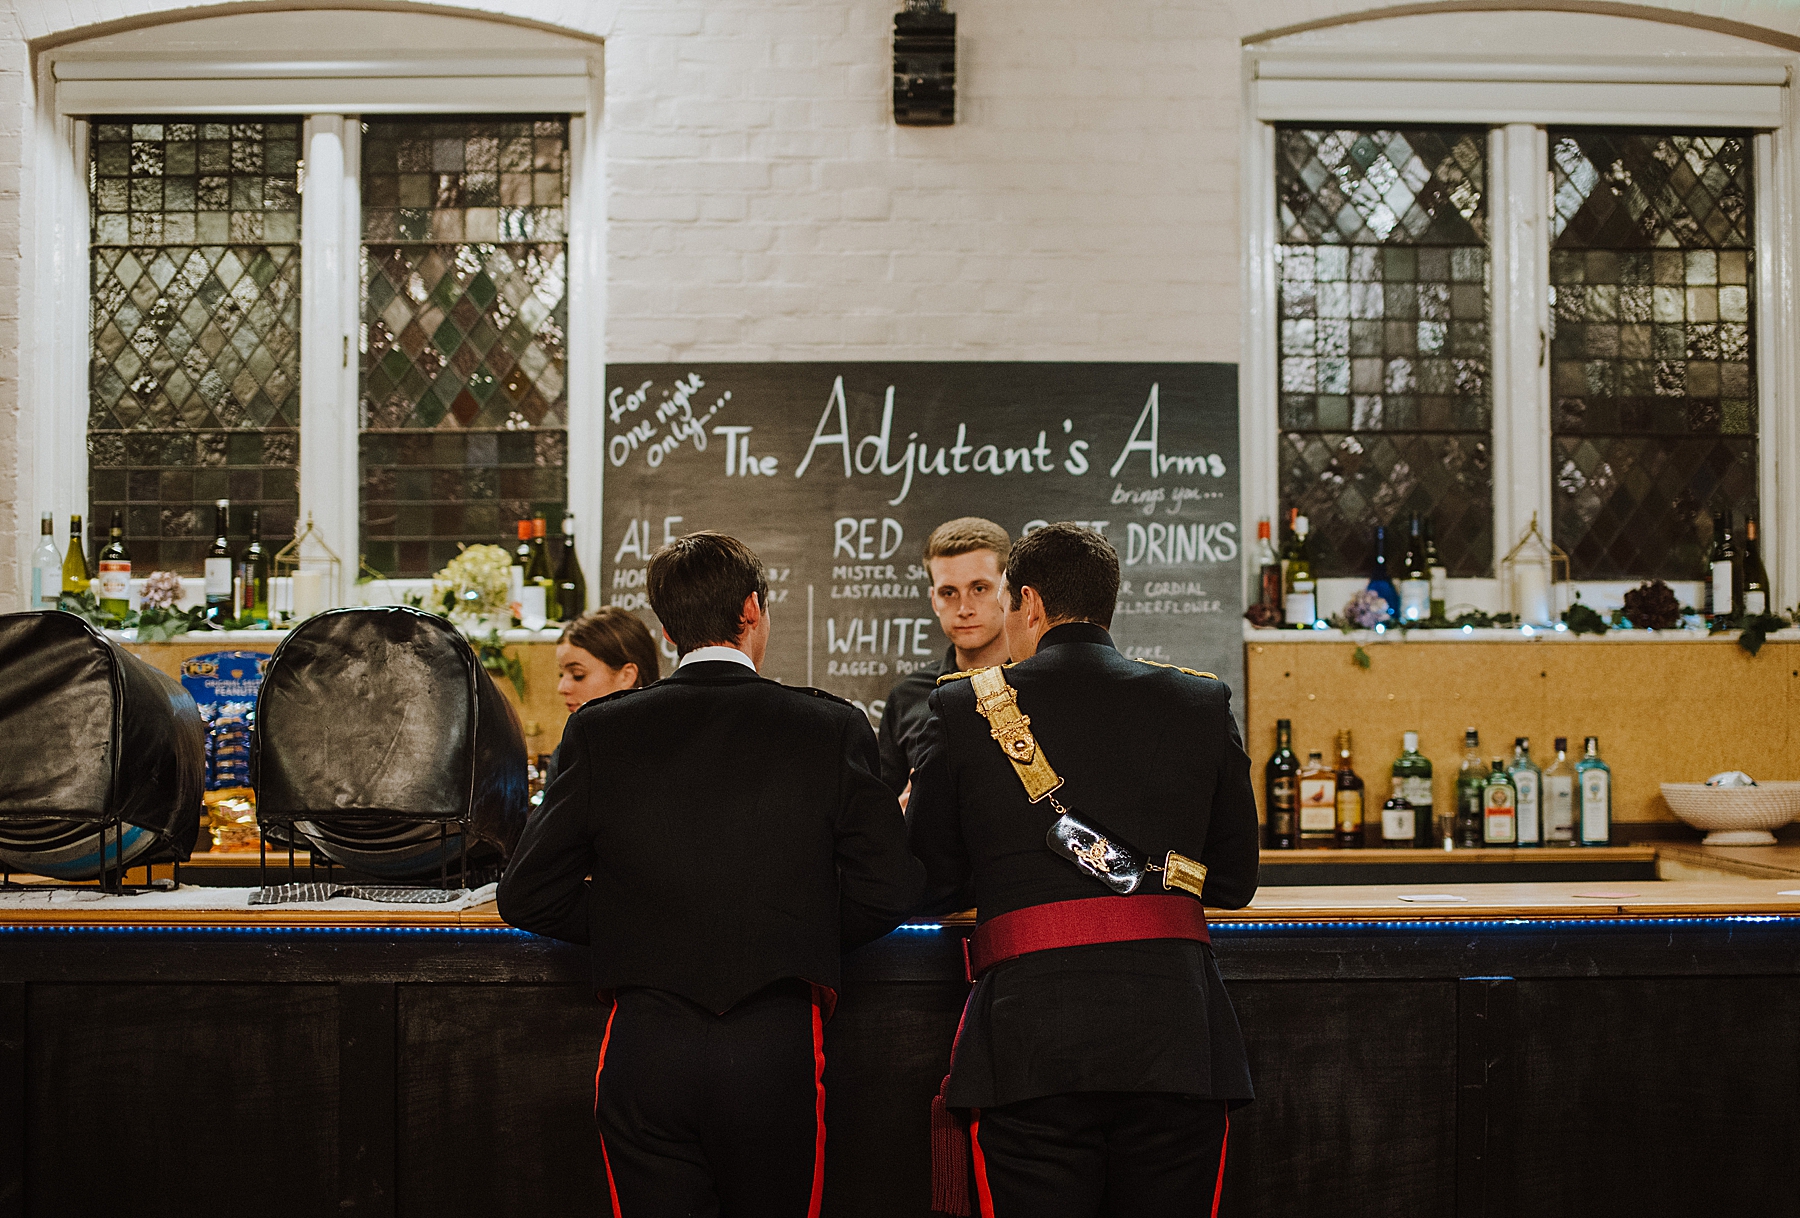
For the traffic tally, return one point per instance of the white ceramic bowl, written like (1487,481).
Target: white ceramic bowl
(1735,816)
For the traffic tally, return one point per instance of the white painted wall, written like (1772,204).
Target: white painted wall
(761,204)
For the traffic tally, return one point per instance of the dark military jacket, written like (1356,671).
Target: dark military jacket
(902,734)
(735,832)
(1151,754)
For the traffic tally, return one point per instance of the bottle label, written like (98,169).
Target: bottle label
(1721,587)
(218,579)
(1756,602)
(1559,808)
(1440,583)
(1350,811)
(115,579)
(1596,814)
(1415,790)
(1527,785)
(1500,827)
(1415,600)
(1397,824)
(1281,806)
(1318,805)
(1300,609)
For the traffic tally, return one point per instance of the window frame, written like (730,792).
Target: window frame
(76,85)
(1519,98)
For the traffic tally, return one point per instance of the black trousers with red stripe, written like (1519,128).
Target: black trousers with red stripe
(713,1116)
(1120,1154)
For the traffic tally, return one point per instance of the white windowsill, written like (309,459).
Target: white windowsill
(1500,635)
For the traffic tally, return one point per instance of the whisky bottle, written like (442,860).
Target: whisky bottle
(1528,784)
(1469,783)
(1559,798)
(77,578)
(1594,786)
(115,571)
(1499,808)
(218,566)
(1318,803)
(1349,798)
(1756,576)
(1412,784)
(1281,779)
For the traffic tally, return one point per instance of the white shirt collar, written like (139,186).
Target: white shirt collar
(700,655)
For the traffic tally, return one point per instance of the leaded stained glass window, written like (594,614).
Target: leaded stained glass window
(1653,370)
(194,377)
(464,311)
(1384,357)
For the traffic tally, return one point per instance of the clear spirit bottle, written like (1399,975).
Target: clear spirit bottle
(1528,782)
(1594,784)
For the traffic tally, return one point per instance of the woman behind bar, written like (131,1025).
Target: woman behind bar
(601,653)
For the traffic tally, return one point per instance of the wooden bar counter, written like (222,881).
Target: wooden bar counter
(1572,1048)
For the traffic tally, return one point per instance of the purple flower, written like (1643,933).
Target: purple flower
(161,590)
(1365,609)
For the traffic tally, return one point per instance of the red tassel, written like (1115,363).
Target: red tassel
(950,1165)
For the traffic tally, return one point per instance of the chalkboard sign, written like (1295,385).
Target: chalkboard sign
(836,473)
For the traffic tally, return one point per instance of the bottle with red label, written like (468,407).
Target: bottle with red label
(115,571)
(1499,808)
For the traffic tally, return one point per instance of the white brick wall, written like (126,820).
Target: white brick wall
(763,206)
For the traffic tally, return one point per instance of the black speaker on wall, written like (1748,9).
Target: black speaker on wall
(925,65)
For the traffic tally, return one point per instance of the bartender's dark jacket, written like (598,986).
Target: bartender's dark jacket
(736,832)
(903,719)
(1150,754)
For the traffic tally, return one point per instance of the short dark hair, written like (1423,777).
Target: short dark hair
(616,638)
(697,586)
(1075,571)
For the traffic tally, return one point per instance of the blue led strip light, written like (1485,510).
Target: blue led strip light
(1227,929)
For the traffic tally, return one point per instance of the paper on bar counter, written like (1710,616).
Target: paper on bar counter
(194,897)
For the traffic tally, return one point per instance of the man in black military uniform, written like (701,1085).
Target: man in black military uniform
(963,560)
(738,839)
(1099,1054)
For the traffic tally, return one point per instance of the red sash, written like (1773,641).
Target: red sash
(1038,928)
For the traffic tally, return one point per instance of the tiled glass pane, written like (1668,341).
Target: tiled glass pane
(1653,368)
(194,377)
(464,309)
(1384,350)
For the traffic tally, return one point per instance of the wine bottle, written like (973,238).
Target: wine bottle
(571,584)
(1302,608)
(521,560)
(1438,575)
(1381,580)
(1724,579)
(1594,780)
(1412,786)
(1469,782)
(219,567)
(115,571)
(1280,788)
(76,577)
(1499,808)
(1268,568)
(1559,798)
(1528,783)
(1415,583)
(253,575)
(1756,576)
(541,572)
(1318,802)
(46,566)
(1349,798)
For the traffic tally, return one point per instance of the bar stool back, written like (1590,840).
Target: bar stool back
(105,757)
(385,747)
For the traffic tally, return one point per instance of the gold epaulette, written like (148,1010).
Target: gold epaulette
(1192,672)
(965,674)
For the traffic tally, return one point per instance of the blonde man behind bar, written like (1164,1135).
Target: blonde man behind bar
(963,560)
